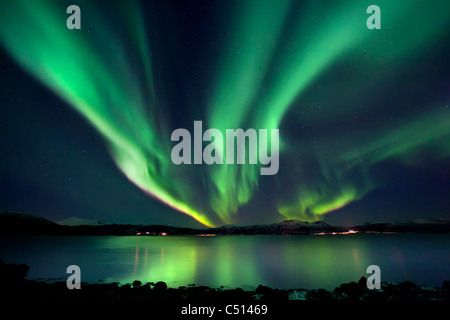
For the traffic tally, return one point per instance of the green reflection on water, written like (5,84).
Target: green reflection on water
(239,260)
(303,261)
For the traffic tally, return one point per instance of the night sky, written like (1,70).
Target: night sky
(86,115)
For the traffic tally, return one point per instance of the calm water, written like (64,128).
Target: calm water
(236,261)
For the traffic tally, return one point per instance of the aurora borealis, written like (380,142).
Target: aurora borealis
(350,103)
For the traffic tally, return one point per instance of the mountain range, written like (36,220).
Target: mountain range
(14,223)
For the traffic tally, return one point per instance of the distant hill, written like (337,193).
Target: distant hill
(432,226)
(75,221)
(284,227)
(14,223)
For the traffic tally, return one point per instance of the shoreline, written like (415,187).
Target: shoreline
(17,287)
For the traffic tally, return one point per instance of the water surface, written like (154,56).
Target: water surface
(303,261)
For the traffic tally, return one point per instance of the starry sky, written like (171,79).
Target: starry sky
(86,115)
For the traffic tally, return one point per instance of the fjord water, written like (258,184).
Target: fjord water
(303,261)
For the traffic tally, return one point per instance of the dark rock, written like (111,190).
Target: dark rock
(409,285)
(126,286)
(235,294)
(12,273)
(263,290)
(362,283)
(136,284)
(446,285)
(146,286)
(320,294)
(373,295)
(352,290)
(160,286)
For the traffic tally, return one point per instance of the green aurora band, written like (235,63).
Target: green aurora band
(278,50)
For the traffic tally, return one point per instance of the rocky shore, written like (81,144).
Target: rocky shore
(16,286)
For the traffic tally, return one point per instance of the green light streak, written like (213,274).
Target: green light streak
(258,25)
(308,55)
(431,129)
(72,65)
